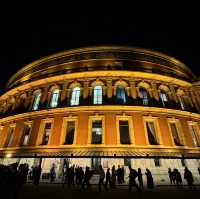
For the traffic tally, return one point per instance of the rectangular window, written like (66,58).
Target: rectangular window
(97,132)
(151,133)
(175,135)
(183,162)
(47,130)
(124,132)
(9,138)
(157,162)
(26,134)
(95,162)
(69,138)
(127,161)
(195,134)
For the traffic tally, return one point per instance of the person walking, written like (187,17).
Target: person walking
(189,178)
(101,177)
(52,173)
(108,179)
(113,180)
(86,179)
(140,179)
(150,183)
(170,173)
(132,176)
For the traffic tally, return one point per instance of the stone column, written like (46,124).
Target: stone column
(44,97)
(28,99)
(63,94)
(85,89)
(109,88)
(194,100)
(173,93)
(155,92)
(133,90)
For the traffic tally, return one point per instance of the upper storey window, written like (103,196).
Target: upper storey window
(181,101)
(75,96)
(120,95)
(97,95)
(36,101)
(54,98)
(144,96)
(164,98)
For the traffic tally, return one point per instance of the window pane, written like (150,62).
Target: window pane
(181,102)
(97,132)
(144,96)
(157,162)
(9,137)
(163,97)
(36,101)
(124,132)
(54,98)
(175,135)
(46,134)
(70,132)
(195,136)
(97,95)
(120,95)
(75,96)
(26,135)
(151,132)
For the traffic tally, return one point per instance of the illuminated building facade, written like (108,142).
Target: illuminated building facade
(110,105)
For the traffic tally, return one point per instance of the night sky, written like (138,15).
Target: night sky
(31,35)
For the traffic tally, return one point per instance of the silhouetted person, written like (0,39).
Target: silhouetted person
(150,183)
(178,177)
(170,173)
(113,178)
(52,173)
(86,179)
(108,179)
(119,175)
(189,178)
(140,179)
(36,174)
(122,174)
(101,177)
(199,170)
(132,176)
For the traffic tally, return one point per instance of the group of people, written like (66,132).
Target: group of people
(15,175)
(175,177)
(12,177)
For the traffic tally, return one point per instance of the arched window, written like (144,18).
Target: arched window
(181,101)
(144,96)
(54,98)
(120,95)
(164,98)
(75,96)
(97,95)
(36,102)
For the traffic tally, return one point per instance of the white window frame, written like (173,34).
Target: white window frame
(97,95)
(190,124)
(95,118)
(64,130)
(131,130)
(179,129)
(156,127)
(23,133)
(55,94)
(41,131)
(74,99)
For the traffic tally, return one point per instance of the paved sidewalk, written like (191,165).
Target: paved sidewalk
(57,191)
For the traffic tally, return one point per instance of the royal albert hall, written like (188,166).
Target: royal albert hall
(109,105)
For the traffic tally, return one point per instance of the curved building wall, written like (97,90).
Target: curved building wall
(104,112)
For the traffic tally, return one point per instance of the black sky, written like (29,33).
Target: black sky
(30,35)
